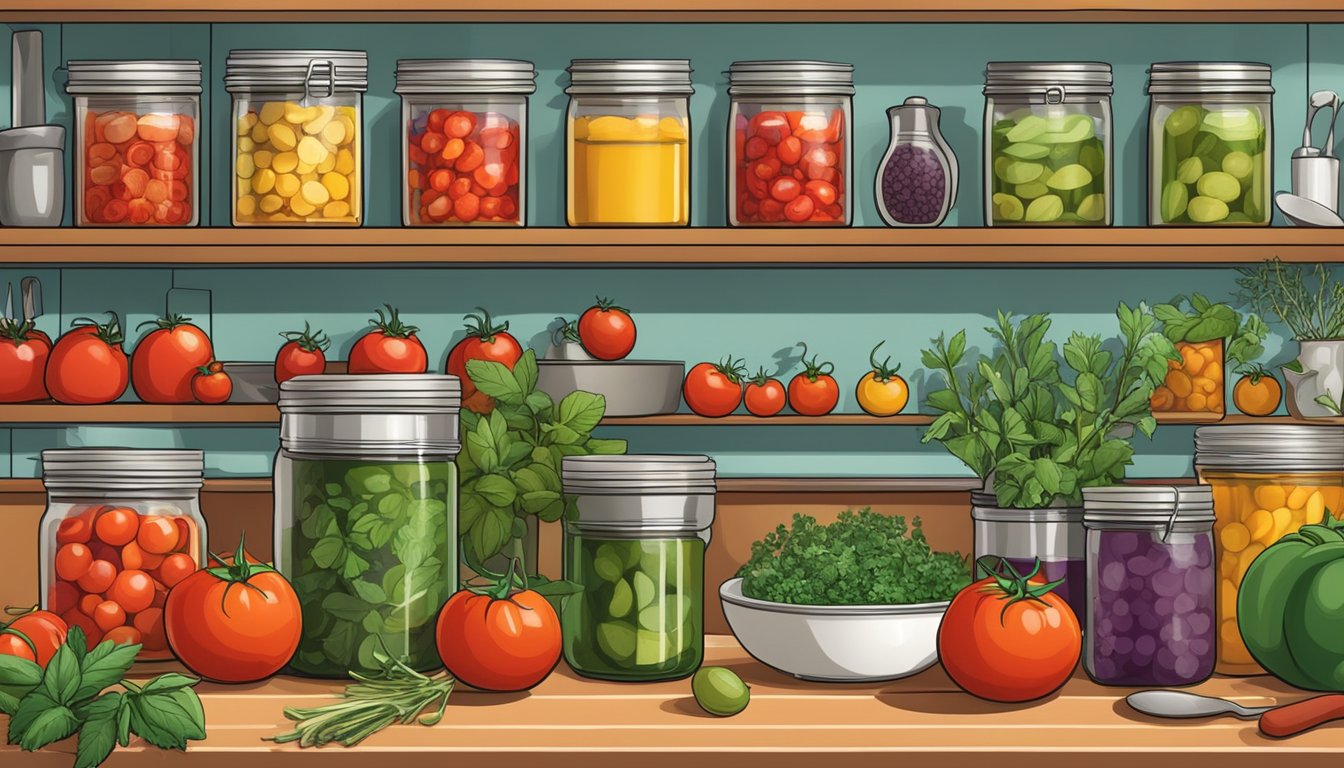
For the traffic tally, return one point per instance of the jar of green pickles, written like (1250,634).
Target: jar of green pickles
(637,549)
(1047,144)
(1210,143)
(366,516)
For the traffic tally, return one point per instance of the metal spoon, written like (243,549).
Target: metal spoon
(1304,212)
(1329,149)
(1183,704)
(1318,101)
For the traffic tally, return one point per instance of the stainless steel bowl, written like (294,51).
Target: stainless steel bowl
(253,382)
(631,387)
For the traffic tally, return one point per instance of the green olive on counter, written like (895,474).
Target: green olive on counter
(719,691)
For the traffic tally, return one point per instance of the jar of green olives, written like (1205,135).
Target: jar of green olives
(636,547)
(1047,144)
(1210,143)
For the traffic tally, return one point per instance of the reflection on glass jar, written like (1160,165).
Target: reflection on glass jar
(1054,536)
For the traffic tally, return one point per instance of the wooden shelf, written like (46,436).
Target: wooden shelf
(700,246)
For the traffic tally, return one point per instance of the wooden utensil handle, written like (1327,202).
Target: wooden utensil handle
(1292,719)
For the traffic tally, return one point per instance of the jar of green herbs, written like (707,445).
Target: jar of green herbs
(366,516)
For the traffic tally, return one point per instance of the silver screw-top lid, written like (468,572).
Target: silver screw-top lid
(784,78)
(465,76)
(313,72)
(1162,505)
(1199,77)
(1265,448)
(386,393)
(1047,78)
(392,415)
(653,77)
(641,495)
(149,77)
(122,469)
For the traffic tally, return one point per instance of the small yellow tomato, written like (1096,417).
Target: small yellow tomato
(881,392)
(1257,393)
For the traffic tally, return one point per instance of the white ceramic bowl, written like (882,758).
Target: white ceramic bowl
(835,644)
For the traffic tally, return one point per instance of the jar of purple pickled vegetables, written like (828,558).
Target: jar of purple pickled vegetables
(1150,585)
(1053,535)
(917,178)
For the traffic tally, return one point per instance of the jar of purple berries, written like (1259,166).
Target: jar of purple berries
(1150,585)
(917,178)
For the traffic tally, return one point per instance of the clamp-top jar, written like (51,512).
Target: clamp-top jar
(790,147)
(136,152)
(464,146)
(366,516)
(298,136)
(1048,143)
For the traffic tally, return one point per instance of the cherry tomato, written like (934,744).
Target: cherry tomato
(117,526)
(175,568)
(606,331)
(157,535)
(790,150)
(785,189)
(73,561)
(23,362)
(822,192)
(99,577)
(109,615)
(123,636)
(504,641)
(390,347)
(1257,393)
(75,529)
(484,341)
(881,392)
(133,590)
(167,359)
(814,391)
(211,385)
(714,390)
(43,629)
(799,209)
(764,396)
(87,365)
(133,556)
(88,604)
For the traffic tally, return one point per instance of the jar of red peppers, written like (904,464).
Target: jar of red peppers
(136,151)
(463,144)
(122,526)
(789,134)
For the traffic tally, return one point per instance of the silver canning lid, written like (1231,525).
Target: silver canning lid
(314,72)
(1270,448)
(1054,81)
(1198,77)
(465,76)
(636,475)
(1164,505)
(390,393)
(655,77)
(985,507)
(141,77)
(122,469)
(800,77)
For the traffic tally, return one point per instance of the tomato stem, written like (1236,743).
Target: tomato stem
(761,378)
(606,305)
(568,331)
(309,341)
(238,573)
(735,370)
(811,368)
(1256,372)
(882,371)
(480,325)
(210,368)
(15,331)
(167,322)
(1014,586)
(391,324)
(109,333)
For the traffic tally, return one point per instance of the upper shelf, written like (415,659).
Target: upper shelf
(702,246)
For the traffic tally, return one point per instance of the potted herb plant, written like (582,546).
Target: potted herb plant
(1210,339)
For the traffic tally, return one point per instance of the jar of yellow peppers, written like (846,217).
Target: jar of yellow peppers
(297,119)
(629,142)
(1268,480)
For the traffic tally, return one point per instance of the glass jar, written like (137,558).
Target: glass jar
(1268,480)
(790,143)
(1210,143)
(1195,383)
(917,179)
(1048,144)
(1149,585)
(136,152)
(636,547)
(628,143)
(366,516)
(464,142)
(1053,535)
(122,526)
(297,142)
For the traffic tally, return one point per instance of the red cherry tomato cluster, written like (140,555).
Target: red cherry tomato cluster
(137,168)
(790,168)
(112,572)
(463,168)
(717,390)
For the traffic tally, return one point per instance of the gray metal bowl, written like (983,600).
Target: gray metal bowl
(631,387)
(253,382)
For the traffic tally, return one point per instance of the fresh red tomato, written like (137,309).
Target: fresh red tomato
(607,331)
(211,385)
(167,359)
(23,363)
(34,636)
(764,396)
(1008,637)
(714,390)
(506,640)
(303,354)
(87,365)
(485,341)
(390,346)
(234,623)
(814,391)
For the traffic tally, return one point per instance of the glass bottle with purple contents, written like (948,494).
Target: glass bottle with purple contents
(1150,585)
(1053,535)
(917,178)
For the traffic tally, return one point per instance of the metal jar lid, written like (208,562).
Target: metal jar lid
(148,77)
(121,469)
(985,507)
(641,496)
(386,393)
(315,72)
(370,416)
(800,77)
(1053,81)
(1264,448)
(653,77)
(1161,505)
(465,76)
(1200,77)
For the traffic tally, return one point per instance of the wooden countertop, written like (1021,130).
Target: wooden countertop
(923,721)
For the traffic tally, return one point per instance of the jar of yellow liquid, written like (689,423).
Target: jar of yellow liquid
(628,142)
(1268,480)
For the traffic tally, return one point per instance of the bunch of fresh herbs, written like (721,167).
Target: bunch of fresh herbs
(1197,320)
(1305,298)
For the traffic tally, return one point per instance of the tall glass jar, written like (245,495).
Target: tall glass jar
(790,147)
(917,179)
(1052,535)
(628,143)
(636,547)
(1149,585)
(1210,143)
(1048,144)
(1268,480)
(296,151)
(463,141)
(122,527)
(366,516)
(136,152)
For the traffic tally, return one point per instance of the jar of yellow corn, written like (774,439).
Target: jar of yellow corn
(297,124)
(1268,480)
(629,142)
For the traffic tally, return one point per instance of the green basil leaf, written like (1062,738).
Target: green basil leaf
(98,734)
(562,435)
(170,681)
(497,490)
(525,373)
(540,403)
(48,726)
(345,607)
(104,666)
(494,379)
(62,677)
(599,447)
(487,538)
(167,719)
(552,512)
(581,411)
(18,672)
(329,551)
(536,501)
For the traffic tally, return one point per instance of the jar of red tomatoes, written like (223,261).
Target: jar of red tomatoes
(789,134)
(122,526)
(136,152)
(463,144)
